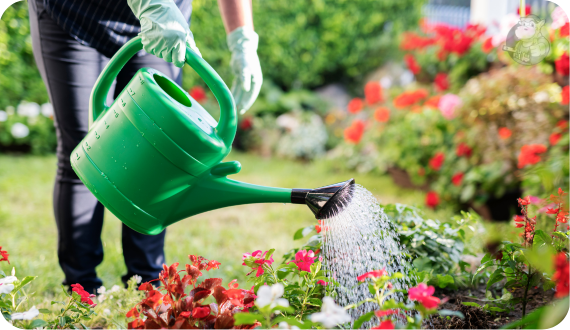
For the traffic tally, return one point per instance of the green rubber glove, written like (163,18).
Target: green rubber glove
(164,30)
(245,66)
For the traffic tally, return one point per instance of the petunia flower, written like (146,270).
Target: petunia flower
(331,314)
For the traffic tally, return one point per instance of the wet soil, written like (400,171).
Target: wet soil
(477,318)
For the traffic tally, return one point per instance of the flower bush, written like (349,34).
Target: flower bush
(28,128)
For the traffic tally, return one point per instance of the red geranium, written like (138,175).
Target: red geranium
(529,154)
(457,178)
(487,45)
(505,133)
(372,274)
(413,41)
(463,150)
(441,82)
(373,92)
(562,275)
(432,199)
(565,94)
(354,132)
(85,296)
(412,64)
(554,138)
(436,161)
(382,114)
(198,93)
(423,294)
(562,64)
(4,255)
(355,105)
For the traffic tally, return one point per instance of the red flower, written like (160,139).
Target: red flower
(200,312)
(213,264)
(321,282)
(433,102)
(463,150)
(562,64)
(354,132)
(85,296)
(530,154)
(134,312)
(373,92)
(4,255)
(382,114)
(524,201)
(487,45)
(136,324)
(304,259)
(554,138)
(381,314)
(441,82)
(562,124)
(436,161)
(565,94)
(412,64)
(355,105)
(423,294)
(246,123)
(562,275)
(432,199)
(565,30)
(372,274)
(505,133)
(413,41)
(385,325)
(457,178)
(198,93)
(552,211)
(409,98)
(519,225)
(519,218)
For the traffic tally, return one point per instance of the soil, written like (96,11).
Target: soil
(477,318)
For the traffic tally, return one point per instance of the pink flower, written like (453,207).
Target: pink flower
(423,294)
(321,282)
(447,105)
(385,325)
(304,259)
(372,274)
(256,260)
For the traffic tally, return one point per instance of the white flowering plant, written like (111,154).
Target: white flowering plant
(27,128)
(13,298)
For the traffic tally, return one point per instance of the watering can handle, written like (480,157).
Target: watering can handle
(227,124)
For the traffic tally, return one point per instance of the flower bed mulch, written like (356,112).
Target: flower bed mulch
(477,318)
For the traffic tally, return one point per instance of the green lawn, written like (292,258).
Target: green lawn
(28,232)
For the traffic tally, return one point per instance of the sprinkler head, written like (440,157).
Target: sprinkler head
(326,201)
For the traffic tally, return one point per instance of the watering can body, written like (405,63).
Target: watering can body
(154,156)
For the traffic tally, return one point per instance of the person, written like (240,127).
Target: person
(72,41)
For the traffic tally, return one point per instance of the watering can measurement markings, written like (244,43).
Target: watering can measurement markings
(154,156)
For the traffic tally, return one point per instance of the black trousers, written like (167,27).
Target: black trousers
(69,71)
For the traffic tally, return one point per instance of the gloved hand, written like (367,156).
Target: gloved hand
(164,30)
(245,66)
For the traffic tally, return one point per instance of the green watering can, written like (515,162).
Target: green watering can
(154,156)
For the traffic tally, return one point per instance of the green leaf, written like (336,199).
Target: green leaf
(25,281)
(303,232)
(540,237)
(2,273)
(269,254)
(497,309)
(474,304)
(37,323)
(62,321)
(547,285)
(362,319)
(44,311)
(445,280)
(246,318)
(495,277)
(371,289)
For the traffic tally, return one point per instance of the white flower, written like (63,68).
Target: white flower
(271,296)
(8,279)
(138,278)
(115,288)
(540,97)
(285,325)
(101,298)
(28,109)
(101,290)
(33,312)
(13,271)
(6,288)
(107,311)
(331,314)
(3,115)
(47,109)
(20,130)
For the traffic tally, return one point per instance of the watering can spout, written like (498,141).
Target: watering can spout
(326,201)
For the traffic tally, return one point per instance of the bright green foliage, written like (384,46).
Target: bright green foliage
(41,140)
(19,77)
(309,43)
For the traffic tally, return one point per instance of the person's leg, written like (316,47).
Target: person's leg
(144,254)
(69,71)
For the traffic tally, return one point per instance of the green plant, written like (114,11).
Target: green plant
(13,297)
(35,133)
(75,311)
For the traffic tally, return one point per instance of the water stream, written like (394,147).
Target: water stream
(359,239)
